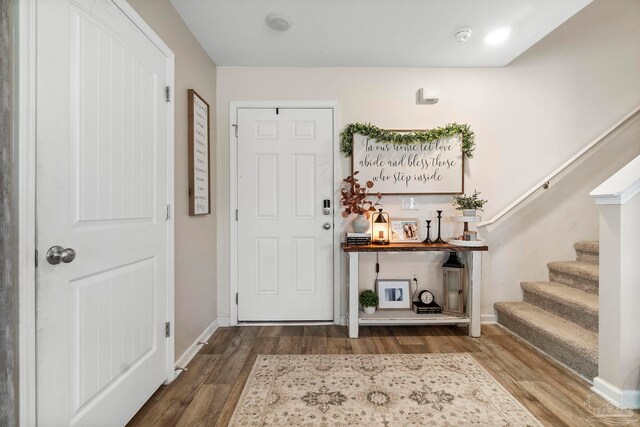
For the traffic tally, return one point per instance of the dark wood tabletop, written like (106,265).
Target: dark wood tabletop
(411,247)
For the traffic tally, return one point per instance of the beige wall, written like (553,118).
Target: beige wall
(529,117)
(195,237)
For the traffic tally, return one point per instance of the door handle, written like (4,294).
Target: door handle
(58,254)
(326,226)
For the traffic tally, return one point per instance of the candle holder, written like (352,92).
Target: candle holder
(439,239)
(428,240)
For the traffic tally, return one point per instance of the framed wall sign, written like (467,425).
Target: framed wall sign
(393,294)
(405,230)
(435,167)
(199,155)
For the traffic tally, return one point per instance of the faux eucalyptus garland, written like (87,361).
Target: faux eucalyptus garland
(429,135)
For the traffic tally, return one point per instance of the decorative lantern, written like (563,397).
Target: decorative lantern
(380,228)
(453,275)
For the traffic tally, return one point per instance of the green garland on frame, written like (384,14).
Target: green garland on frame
(429,135)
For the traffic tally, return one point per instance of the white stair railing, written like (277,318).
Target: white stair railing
(544,182)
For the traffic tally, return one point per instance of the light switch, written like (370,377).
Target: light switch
(410,203)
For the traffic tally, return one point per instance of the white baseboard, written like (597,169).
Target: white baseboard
(627,399)
(488,318)
(193,349)
(223,321)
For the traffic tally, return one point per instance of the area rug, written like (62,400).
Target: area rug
(375,390)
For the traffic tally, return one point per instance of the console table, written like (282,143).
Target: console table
(473,265)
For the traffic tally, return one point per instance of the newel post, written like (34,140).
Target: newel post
(618,200)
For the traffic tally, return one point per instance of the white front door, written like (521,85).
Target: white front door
(285,241)
(101,191)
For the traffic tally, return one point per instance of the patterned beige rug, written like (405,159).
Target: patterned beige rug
(376,390)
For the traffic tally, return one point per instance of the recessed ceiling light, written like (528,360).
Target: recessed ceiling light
(498,35)
(278,21)
(462,35)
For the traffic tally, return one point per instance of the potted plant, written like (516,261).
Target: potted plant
(369,301)
(468,204)
(354,200)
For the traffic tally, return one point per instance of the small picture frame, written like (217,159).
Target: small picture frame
(393,294)
(405,230)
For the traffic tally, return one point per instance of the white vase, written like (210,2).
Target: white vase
(369,310)
(360,224)
(469,212)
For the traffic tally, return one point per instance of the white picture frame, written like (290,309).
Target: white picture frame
(405,230)
(393,294)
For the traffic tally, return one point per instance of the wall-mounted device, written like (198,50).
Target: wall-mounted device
(428,96)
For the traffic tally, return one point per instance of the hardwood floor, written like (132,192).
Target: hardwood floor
(207,393)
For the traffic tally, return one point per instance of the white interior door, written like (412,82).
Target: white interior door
(101,190)
(285,241)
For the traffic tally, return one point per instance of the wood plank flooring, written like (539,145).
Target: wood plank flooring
(207,393)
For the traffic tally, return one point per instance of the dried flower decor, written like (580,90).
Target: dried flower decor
(354,197)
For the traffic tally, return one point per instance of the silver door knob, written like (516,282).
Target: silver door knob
(326,226)
(58,254)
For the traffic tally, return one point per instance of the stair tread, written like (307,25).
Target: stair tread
(564,293)
(583,341)
(592,247)
(576,268)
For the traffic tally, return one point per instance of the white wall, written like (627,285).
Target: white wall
(619,349)
(529,117)
(195,237)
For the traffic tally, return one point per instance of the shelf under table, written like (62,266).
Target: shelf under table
(408,317)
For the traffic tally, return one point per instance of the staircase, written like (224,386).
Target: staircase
(560,317)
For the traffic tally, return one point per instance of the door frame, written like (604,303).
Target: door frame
(234,106)
(26,125)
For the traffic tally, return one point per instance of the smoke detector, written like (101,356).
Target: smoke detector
(462,35)
(278,21)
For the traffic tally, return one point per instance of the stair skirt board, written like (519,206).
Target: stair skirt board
(546,355)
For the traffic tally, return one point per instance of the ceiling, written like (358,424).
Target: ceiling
(370,33)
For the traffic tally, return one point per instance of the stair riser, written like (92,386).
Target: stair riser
(572,313)
(586,285)
(588,257)
(553,347)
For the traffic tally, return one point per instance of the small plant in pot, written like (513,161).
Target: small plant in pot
(468,204)
(354,199)
(369,301)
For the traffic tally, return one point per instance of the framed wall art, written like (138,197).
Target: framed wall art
(410,168)
(393,294)
(405,230)
(199,155)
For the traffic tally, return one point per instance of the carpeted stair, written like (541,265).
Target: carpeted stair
(560,317)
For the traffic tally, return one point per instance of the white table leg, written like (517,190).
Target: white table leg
(475,293)
(352,313)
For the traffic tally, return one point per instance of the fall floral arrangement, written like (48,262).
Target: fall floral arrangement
(354,197)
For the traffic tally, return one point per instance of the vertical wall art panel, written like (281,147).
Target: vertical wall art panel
(199,155)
